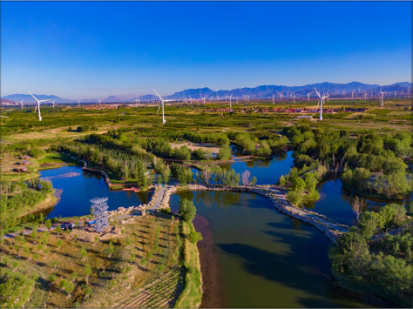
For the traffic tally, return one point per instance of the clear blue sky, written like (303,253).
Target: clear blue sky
(92,50)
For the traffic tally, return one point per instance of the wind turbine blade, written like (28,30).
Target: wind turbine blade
(158,95)
(33,96)
(317,93)
(159,108)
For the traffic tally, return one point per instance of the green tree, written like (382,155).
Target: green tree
(368,224)
(88,272)
(187,210)
(298,184)
(73,276)
(310,182)
(224,153)
(48,224)
(83,253)
(194,237)
(281,180)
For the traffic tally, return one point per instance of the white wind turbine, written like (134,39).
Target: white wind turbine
(204,99)
(308,96)
(136,102)
(21,104)
(322,99)
(163,106)
(272,98)
(230,102)
(38,105)
(281,95)
(100,101)
(294,97)
(365,96)
(78,103)
(382,97)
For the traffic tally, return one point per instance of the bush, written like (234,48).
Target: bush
(295,197)
(36,152)
(194,237)
(187,210)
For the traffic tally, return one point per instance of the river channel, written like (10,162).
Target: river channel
(266,259)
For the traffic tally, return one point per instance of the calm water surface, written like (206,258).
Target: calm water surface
(267,259)
(335,202)
(79,190)
(266,171)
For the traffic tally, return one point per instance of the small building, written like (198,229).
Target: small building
(305,117)
(25,157)
(21,169)
(24,162)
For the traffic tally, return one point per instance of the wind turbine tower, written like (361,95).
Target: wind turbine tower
(272,98)
(78,103)
(21,104)
(38,105)
(322,99)
(281,95)
(365,96)
(163,106)
(230,102)
(382,98)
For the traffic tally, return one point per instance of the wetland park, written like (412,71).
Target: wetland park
(247,207)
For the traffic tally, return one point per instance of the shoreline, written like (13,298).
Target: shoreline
(49,202)
(212,292)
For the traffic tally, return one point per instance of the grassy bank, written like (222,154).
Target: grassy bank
(49,201)
(79,268)
(192,294)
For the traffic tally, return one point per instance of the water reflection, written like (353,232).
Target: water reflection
(336,202)
(78,191)
(266,171)
(267,259)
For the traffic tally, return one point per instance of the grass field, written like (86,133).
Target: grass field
(143,250)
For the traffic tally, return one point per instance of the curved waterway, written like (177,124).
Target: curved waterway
(265,258)
(79,187)
(336,202)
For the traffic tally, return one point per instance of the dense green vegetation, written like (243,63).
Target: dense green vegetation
(384,265)
(20,198)
(368,163)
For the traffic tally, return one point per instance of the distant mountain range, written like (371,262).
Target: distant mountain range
(266,91)
(260,92)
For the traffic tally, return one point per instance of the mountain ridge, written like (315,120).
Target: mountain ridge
(259,92)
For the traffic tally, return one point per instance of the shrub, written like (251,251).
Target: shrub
(187,210)
(194,237)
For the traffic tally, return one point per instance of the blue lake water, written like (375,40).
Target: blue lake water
(335,202)
(266,171)
(79,190)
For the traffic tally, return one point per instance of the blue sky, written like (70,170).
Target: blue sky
(92,50)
